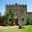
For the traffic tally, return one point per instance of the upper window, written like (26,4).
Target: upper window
(10,11)
(22,19)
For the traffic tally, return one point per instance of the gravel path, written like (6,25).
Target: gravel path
(7,27)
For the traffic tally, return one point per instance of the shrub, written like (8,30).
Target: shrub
(20,27)
(29,21)
(24,27)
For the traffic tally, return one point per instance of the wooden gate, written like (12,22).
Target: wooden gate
(16,21)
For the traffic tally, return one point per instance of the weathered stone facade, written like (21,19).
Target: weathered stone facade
(19,12)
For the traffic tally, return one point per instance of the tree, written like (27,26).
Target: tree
(28,21)
(12,18)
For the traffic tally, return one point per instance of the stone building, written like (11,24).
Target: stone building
(19,13)
(29,14)
(15,14)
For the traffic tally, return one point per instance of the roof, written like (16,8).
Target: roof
(29,12)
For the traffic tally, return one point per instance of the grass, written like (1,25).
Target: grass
(26,29)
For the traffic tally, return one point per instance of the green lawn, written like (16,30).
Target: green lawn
(26,29)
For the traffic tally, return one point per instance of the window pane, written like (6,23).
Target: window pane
(22,19)
(10,11)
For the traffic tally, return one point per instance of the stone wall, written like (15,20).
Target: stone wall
(18,10)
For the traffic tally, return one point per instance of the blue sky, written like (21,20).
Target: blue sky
(4,2)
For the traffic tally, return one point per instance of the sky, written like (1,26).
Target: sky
(4,2)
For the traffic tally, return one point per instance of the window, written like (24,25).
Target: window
(22,19)
(9,19)
(10,11)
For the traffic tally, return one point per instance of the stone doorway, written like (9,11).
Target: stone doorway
(16,21)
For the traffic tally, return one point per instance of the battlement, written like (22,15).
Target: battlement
(17,5)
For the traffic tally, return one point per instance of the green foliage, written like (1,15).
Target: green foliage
(29,21)
(12,18)
(9,22)
(20,27)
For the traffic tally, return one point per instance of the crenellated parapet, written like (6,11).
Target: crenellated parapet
(16,8)
(16,5)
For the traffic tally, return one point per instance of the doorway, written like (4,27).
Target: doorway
(16,21)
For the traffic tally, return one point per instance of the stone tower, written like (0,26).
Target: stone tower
(19,13)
